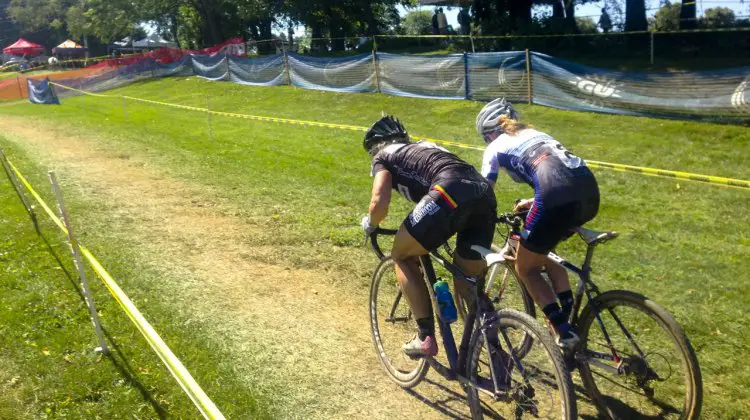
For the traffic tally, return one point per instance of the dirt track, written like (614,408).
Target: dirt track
(314,340)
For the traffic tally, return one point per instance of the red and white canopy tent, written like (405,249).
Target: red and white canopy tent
(23,47)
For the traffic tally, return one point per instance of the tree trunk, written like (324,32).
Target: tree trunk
(688,15)
(173,29)
(206,10)
(635,15)
(290,36)
(565,16)
(520,14)
(369,15)
(317,44)
(264,27)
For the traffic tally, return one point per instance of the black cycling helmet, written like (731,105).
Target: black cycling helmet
(386,130)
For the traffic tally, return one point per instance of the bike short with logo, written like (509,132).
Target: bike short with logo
(456,204)
(558,210)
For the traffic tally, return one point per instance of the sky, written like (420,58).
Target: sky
(594,9)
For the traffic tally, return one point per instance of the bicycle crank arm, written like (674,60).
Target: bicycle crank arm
(396,319)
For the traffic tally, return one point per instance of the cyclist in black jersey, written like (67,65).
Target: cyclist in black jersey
(566,196)
(451,196)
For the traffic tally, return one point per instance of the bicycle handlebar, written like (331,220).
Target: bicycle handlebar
(374,240)
(514,220)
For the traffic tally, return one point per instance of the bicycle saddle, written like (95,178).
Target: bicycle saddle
(593,237)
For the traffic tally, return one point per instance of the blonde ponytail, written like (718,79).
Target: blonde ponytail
(511,126)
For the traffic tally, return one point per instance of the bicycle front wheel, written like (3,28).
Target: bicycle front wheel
(540,385)
(393,324)
(635,360)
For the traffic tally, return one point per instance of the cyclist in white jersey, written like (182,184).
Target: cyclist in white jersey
(566,196)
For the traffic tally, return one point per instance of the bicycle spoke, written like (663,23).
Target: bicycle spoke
(646,374)
(533,389)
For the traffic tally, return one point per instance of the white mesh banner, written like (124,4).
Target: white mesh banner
(423,76)
(341,74)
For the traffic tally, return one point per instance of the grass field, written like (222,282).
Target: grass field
(299,193)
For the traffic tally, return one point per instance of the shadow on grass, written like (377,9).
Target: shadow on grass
(445,406)
(115,354)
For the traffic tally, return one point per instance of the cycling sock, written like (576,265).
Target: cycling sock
(557,318)
(426,327)
(566,302)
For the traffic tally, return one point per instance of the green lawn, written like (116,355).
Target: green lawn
(683,244)
(48,367)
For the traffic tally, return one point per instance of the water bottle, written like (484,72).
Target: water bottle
(448,312)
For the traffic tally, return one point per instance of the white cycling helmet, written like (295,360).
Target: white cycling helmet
(488,118)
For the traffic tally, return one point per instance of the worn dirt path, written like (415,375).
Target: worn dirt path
(291,328)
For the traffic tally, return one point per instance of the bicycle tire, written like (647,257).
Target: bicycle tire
(405,378)
(508,318)
(621,298)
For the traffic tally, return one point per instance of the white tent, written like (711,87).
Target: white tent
(154,41)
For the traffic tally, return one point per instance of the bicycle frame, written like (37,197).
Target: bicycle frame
(482,306)
(586,286)
(456,357)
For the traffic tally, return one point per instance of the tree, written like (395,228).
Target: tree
(417,22)
(667,18)
(586,25)
(635,15)
(9,30)
(687,14)
(718,17)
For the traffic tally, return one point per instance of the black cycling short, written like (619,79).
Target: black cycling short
(463,206)
(547,225)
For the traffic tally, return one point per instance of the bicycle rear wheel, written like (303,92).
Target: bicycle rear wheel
(540,384)
(650,370)
(392,324)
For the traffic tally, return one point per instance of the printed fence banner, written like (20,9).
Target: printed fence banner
(497,74)
(41,92)
(211,67)
(700,94)
(340,74)
(437,77)
(181,67)
(265,71)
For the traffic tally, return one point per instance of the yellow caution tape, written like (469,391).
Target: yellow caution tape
(709,179)
(176,368)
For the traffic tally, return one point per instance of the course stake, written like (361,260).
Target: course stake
(79,265)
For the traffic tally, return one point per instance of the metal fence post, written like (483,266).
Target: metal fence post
(286,67)
(226,58)
(652,47)
(20,90)
(471,38)
(17,186)
(79,264)
(375,67)
(466,76)
(528,77)
(208,116)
